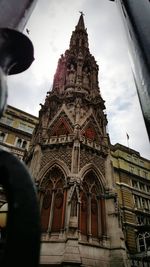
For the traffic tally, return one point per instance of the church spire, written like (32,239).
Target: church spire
(80,25)
(79,37)
(70,160)
(77,69)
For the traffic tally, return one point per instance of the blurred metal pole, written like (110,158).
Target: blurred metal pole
(22,244)
(16,50)
(136,18)
(14,14)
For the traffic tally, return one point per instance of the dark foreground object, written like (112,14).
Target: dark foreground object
(22,244)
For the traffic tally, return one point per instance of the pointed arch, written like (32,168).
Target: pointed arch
(61,127)
(92,218)
(52,188)
(91,129)
(92,167)
(45,209)
(56,162)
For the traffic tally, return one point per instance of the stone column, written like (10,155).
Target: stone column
(51,213)
(63,209)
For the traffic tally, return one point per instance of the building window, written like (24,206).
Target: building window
(146,204)
(26,128)
(145,174)
(131,169)
(92,209)
(53,201)
(143,203)
(2,137)
(22,126)
(135,159)
(134,184)
(8,121)
(24,144)
(141,163)
(142,187)
(148,220)
(30,129)
(137,201)
(140,220)
(129,158)
(143,220)
(148,188)
(143,241)
(19,142)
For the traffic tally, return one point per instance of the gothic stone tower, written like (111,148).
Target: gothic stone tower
(69,159)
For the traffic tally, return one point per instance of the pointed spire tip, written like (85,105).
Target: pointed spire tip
(80,24)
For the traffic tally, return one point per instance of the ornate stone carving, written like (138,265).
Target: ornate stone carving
(62,153)
(86,156)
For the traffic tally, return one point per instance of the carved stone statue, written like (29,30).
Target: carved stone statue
(86,76)
(71,73)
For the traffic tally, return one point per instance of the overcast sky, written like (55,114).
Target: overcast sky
(51,25)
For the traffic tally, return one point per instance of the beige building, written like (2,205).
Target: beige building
(16,128)
(132,177)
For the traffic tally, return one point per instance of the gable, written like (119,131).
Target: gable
(61,126)
(91,131)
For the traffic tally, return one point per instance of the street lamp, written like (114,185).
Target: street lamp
(3,215)
(3,220)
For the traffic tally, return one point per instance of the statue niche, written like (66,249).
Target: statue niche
(86,76)
(71,73)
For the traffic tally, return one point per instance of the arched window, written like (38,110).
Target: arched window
(92,210)
(52,198)
(24,144)
(46,205)
(58,205)
(143,241)
(19,142)
(2,136)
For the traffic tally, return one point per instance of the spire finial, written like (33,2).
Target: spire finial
(81,12)
(80,24)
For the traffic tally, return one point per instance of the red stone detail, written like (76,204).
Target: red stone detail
(94,218)
(57,215)
(59,201)
(47,200)
(90,133)
(63,209)
(45,212)
(61,128)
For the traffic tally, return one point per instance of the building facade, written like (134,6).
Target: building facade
(16,128)
(132,177)
(69,158)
